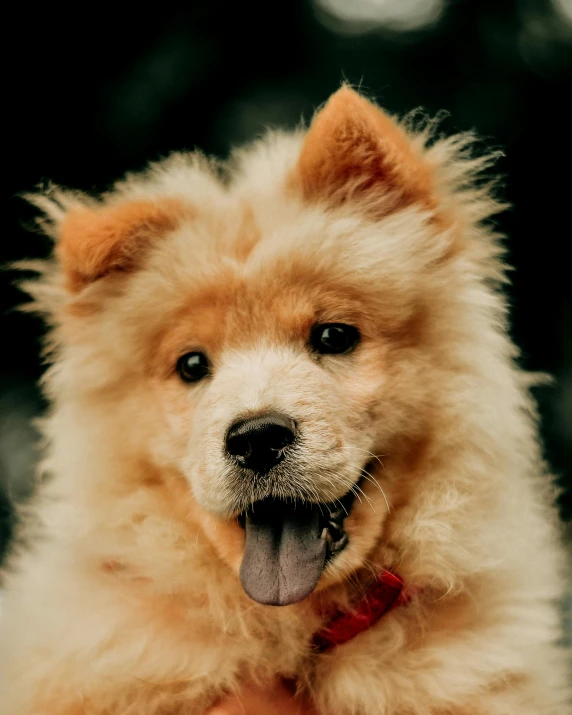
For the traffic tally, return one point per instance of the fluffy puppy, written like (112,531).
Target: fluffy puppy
(270,383)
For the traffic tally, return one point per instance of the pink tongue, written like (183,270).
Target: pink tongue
(284,554)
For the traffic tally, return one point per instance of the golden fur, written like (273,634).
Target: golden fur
(127,599)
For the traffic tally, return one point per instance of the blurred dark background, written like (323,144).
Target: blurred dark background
(93,93)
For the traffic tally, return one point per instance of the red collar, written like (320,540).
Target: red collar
(384,594)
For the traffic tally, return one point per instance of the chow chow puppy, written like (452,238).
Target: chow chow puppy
(288,438)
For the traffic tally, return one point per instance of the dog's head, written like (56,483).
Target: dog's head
(268,337)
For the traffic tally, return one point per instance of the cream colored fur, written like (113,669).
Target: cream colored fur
(125,600)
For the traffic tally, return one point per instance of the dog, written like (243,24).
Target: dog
(288,438)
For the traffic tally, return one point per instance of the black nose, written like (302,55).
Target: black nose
(258,443)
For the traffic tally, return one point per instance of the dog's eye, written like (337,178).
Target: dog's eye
(192,367)
(334,338)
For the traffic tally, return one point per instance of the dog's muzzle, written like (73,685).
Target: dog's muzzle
(289,540)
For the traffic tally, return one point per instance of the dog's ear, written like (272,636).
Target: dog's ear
(95,241)
(355,152)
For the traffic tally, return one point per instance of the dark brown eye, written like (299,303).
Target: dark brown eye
(192,367)
(334,338)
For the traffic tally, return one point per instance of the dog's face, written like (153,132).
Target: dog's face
(276,385)
(267,341)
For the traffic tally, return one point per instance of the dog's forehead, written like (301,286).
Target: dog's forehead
(274,304)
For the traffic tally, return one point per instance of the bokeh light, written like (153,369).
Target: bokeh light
(564,9)
(357,16)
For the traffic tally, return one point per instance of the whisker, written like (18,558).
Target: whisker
(370,478)
(368,500)
(355,489)
(371,454)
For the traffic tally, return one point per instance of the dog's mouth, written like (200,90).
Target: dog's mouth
(288,545)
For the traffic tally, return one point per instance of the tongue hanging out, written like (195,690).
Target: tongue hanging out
(284,553)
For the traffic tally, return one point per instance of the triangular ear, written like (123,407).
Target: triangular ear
(355,152)
(94,242)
